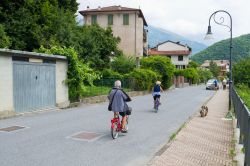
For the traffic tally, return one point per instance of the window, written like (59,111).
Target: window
(180,58)
(110,19)
(125,19)
(94,19)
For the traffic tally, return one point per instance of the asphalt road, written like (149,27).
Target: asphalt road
(46,139)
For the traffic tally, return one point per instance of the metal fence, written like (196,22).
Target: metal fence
(243,122)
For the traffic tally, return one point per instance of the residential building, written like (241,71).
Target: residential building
(222,64)
(127,23)
(177,52)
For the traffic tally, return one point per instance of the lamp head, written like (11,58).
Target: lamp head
(209,34)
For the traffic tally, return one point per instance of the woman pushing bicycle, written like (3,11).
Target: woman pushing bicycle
(118,98)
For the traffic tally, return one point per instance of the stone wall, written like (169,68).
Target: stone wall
(103,98)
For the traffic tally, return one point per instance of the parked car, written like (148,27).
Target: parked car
(210,84)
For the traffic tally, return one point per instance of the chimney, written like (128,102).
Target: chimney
(120,7)
(87,7)
(99,7)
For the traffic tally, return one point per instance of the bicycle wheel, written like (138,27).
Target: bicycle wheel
(114,130)
(157,103)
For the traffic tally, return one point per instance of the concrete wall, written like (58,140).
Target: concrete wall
(6,84)
(169,46)
(131,35)
(62,98)
(6,79)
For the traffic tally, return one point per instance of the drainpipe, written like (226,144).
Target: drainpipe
(137,58)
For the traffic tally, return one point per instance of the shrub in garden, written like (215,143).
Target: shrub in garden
(108,73)
(142,79)
(78,71)
(204,75)
(122,64)
(178,72)
(162,66)
(191,74)
(241,72)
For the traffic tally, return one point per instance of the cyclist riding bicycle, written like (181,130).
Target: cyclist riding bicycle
(157,89)
(119,105)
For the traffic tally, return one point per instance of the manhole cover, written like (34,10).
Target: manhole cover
(11,128)
(86,136)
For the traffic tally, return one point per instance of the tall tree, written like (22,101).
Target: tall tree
(96,45)
(214,68)
(4,39)
(32,23)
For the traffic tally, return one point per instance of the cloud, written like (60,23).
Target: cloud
(186,17)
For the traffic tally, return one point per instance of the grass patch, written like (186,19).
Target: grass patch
(244,92)
(172,137)
(98,90)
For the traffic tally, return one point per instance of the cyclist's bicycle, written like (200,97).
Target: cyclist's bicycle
(156,104)
(116,126)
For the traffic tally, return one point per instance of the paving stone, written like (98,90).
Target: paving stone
(204,141)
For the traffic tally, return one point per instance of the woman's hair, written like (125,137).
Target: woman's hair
(118,84)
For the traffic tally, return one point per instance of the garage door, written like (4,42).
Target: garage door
(34,86)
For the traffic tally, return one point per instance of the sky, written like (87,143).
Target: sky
(188,18)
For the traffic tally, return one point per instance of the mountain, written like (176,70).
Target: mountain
(220,50)
(158,35)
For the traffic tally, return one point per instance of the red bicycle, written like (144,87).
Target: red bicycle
(116,126)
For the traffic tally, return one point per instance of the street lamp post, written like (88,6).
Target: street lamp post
(209,36)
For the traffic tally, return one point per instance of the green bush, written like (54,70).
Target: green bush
(204,75)
(142,79)
(241,72)
(162,66)
(191,74)
(122,64)
(178,72)
(108,73)
(79,73)
(193,64)
(4,39)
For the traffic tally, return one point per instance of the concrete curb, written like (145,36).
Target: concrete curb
(239,157)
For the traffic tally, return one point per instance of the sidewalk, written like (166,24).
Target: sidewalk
(204,141)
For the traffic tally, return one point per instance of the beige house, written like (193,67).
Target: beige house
(222,64)
(126,23)
(178,53)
